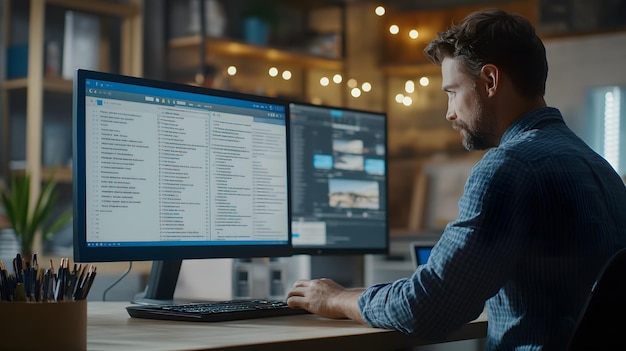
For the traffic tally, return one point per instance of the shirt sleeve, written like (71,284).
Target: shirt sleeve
(470,262)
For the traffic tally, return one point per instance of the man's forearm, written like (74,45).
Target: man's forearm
(348,303)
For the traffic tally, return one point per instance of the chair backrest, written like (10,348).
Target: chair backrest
(602,324)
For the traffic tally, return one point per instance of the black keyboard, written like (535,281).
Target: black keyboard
(217,311)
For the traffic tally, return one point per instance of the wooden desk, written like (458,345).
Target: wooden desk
(110,328)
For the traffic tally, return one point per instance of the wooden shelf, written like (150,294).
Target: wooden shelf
(19,83)
(59,85)
(60,174)
(243,50)
(99,7)
(50,84)
(411,70)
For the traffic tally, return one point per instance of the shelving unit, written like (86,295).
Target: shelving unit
(37,95)
(191,52)
(182,50)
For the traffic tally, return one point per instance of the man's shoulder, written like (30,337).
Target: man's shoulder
(501,163)
(533,145)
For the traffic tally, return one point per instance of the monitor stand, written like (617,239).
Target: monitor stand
(161,284)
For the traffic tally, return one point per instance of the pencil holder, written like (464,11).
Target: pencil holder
(43,325)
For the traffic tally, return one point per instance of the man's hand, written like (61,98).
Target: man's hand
(326,298)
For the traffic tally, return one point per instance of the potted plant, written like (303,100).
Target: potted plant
(26,221)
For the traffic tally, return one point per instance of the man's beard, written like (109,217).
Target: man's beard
(479,135)
(473,139)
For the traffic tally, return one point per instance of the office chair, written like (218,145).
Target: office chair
(602,324)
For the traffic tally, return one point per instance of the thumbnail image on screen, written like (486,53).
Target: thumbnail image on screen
(348,193)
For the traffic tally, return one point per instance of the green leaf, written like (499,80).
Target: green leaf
(26,223)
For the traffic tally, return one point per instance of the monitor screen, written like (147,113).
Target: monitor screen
(339,180)
(166,171)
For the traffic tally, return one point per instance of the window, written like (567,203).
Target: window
(608,125)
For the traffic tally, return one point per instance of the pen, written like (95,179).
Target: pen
(38,284)
(82,286)
(27,280)
(59,291)
(86,283)
(91,279)
(80,283)
(48,284)
(4,282)
(71,285)
(17,267)
(30,283)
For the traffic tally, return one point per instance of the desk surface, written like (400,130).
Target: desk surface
(110,328)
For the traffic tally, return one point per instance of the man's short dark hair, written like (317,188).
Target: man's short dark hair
(494,36)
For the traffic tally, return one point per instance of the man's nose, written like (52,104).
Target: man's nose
(450,115)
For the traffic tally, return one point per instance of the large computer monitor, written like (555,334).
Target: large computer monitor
(167,172)
(339,180)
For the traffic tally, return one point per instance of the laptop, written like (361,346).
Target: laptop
(420,251)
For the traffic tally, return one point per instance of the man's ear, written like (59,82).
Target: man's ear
(490,76)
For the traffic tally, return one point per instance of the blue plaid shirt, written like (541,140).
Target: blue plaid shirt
(539,216)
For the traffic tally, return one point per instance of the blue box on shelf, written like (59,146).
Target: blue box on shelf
(17,61)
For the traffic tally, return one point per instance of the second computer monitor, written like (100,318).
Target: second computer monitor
(339,180)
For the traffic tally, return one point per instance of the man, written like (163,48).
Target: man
(540,214)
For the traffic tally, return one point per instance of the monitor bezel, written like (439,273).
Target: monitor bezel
(83,253)
(344,251)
